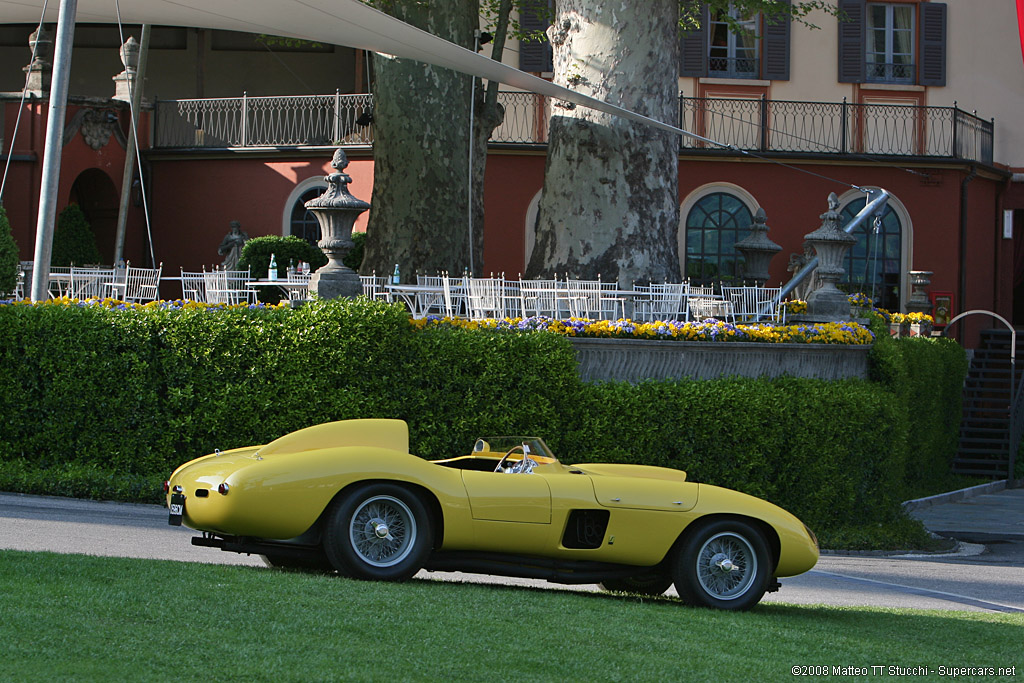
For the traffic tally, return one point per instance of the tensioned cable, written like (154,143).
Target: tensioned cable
(135,137)
(21,106)
(287,68)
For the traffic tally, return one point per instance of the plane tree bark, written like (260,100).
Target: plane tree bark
(610,200)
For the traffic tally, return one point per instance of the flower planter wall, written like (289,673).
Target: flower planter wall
(634,360)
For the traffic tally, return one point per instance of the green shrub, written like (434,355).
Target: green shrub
(8,256)
(287,250)
(354,258)
(88,391)
(73,240)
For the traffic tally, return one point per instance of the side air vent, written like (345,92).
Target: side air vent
(585,529)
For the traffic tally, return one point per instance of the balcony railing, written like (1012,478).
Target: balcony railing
(756,125)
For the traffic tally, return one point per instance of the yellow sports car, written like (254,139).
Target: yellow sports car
(347,496)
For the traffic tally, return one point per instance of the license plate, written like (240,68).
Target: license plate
(177,509)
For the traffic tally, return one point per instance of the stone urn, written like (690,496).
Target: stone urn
(918,301)
(830,244)
(757,250)
(336,210)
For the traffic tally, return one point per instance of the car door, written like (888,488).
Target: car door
(499,497)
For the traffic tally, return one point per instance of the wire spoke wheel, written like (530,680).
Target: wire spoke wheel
(726,566)
(722,563)
(382,531)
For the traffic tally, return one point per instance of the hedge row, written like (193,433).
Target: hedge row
(94,390)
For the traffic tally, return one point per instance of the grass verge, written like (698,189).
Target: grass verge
(73,617)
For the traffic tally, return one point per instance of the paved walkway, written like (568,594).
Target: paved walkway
(984,517)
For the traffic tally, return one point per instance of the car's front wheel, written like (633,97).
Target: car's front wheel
(722,564)
(378,531)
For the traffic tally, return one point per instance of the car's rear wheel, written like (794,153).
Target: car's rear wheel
(647,584)
(723,564)
(378,531)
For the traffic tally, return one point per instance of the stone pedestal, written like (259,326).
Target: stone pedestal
(336,210)
(830,244)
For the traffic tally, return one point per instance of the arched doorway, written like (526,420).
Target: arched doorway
(96,194)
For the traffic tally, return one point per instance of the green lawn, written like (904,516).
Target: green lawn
(72,617)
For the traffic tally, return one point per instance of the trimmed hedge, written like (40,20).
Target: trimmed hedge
(96,390)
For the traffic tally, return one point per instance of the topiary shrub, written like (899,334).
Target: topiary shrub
(73,241)
(354,258)
(286,250)
(8,256)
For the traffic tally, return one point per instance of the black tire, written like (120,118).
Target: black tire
(305,564)
(723,564)
(647,584)
(352,537)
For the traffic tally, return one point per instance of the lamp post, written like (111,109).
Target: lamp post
(336,210)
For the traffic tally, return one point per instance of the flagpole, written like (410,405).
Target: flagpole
(54,145)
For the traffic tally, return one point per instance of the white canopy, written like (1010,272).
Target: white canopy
(337,22)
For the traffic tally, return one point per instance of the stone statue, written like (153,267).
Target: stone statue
(231,246)
(796,263)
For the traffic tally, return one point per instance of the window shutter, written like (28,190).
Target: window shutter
(933,43)
(533,55)
(693,50)
(852,42)
(776,48)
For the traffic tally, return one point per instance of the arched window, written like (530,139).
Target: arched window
(301,222)
(713,226)
(873,265)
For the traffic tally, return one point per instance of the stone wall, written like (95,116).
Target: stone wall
(633,360)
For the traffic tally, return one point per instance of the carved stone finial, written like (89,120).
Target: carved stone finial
(40,67)
(125,81)
(757,249)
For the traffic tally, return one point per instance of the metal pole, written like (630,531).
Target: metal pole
(129,160)
(472,143)
(877,201)
(54,145)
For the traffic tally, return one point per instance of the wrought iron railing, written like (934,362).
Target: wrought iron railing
(759,125)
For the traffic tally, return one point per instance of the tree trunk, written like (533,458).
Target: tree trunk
(420,202)
(610,205)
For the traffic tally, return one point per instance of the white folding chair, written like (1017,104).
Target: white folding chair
(373,287)
(485,297)
(702,308)
(88,283)
(665,302)
(138,284)
(227,287)
(193,287)
(430,302)
(295,291)
(538,297)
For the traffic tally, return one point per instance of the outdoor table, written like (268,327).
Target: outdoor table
(412,295)
(286,285)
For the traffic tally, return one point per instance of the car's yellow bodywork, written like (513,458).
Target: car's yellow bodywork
(280,491)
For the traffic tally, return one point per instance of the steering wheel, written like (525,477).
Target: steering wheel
(504,458)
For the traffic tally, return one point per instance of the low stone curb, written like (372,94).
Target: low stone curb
(962,494)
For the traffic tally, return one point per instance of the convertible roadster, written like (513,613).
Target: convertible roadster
(348,497)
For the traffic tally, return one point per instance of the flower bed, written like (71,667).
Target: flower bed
(709,330)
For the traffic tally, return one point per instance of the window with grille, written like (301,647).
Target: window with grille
(303,223)
(713,226)
(874,264)
(732,54)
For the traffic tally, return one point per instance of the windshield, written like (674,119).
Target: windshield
(502,444)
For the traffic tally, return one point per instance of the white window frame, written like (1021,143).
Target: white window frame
(731,47)
(889,55)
